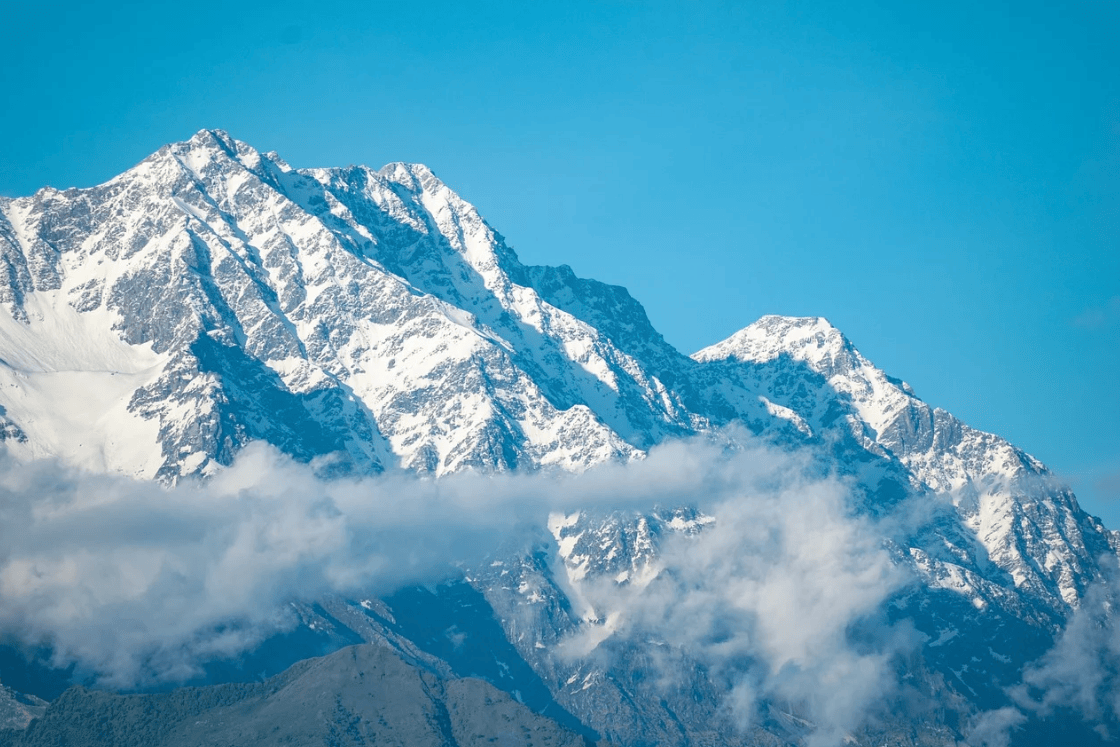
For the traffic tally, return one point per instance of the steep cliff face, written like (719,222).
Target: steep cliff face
(347,312)
(367,320)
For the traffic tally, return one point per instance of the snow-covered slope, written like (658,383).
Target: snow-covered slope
(370,308)
(1004,498)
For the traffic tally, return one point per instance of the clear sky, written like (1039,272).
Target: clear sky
(941,181)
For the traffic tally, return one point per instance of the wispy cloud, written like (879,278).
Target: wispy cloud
(1105,316)
(1080,673)
(994,728)
(1108,485)
(1082,670)
(768,599)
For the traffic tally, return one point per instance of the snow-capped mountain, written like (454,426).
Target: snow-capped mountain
(1004,499)
(370,320)
(361,305)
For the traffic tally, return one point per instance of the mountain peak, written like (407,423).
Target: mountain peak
(413,176)
(217,137)
(214,147)
(808,338)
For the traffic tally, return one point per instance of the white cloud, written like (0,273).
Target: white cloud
(139,582)
(769,596)
(993,728)
(1082,670)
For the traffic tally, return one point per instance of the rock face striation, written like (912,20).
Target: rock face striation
(366,320)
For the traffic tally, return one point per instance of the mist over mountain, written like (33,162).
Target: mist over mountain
(253,414)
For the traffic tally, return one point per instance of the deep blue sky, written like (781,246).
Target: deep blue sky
(942,182)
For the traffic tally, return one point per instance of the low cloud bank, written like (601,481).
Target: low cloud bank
(780,598)
(139,583)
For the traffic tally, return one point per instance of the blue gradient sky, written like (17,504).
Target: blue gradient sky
(943,183)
